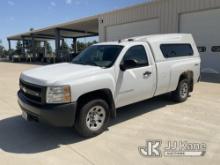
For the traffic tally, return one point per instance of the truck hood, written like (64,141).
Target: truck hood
(53,74)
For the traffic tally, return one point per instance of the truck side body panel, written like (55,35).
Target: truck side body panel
(169,70)
(131,85)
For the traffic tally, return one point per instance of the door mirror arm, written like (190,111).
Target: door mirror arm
(122,67)
(127,64)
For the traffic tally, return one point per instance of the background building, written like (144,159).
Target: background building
(199,17)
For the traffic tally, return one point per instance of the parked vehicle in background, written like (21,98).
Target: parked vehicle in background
(86,93)
(18,58)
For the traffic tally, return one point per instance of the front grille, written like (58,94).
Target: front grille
(33,93)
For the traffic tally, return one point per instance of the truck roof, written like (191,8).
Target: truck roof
(161,37)
(155,41)
(175,37)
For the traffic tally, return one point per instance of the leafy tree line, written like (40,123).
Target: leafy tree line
(1,48)
(64,46)
(38,47)
(18,48)
(3,51)
(82,45)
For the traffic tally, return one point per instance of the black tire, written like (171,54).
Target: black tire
(81,120)
(182,92)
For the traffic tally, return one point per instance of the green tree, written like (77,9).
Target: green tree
(31,29)
(2,49)
(91,43)
(48,47)
(82,45)
(18,48)
(37,45)
(65,46)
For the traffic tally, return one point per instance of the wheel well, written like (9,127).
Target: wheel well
(104,94)
(189,76)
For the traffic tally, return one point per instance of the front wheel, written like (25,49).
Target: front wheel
(182,92)
(93,118)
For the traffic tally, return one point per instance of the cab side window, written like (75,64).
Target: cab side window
(138,55)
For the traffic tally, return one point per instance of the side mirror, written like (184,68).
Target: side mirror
(122,67)
(128,64)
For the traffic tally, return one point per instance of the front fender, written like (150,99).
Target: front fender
(92,83)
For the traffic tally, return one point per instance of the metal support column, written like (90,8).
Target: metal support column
(23,47)
(33,46)
(62,41)
(57,42)
(75,45)
(9,44)
(9,48)
(45,51)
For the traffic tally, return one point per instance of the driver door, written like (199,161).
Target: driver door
(136,82)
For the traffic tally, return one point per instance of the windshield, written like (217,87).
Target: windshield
(99,55)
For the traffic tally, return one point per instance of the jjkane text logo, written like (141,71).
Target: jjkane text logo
(153,148)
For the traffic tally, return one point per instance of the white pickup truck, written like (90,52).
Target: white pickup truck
(86,93)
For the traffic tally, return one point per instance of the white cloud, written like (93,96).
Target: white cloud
(11,3)
(77,2)
(68,2)
(53,4)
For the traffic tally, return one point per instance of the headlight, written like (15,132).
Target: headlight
(59,94)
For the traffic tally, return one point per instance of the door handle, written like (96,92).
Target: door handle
(147,73)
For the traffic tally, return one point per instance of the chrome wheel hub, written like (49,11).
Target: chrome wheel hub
(95,118)
(184,90)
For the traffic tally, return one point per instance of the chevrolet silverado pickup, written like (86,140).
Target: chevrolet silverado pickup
(86,93)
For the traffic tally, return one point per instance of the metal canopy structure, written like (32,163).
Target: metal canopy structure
(81,28)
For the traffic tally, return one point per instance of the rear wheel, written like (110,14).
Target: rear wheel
(182,92)
(93,118)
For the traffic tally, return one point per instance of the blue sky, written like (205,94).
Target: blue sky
(20,15)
